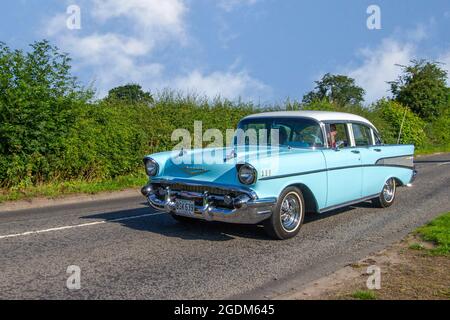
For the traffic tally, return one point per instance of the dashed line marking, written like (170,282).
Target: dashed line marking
(76,226)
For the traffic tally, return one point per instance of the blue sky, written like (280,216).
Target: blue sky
(260,50)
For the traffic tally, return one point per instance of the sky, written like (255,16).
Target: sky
(263,51)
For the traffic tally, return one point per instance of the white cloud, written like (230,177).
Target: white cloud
(111,58)
(55,25)
(231,85)
(445,59)
(114,58)
(379,66)
(150,15)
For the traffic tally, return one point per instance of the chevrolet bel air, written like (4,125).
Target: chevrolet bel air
(278,167)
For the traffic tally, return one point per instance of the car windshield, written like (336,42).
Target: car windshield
(292,132)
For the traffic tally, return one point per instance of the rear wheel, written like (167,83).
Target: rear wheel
(387,195)
(288,215)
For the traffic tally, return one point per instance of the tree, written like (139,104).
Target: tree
(39,102)
(338,89)
(130,93)
(422,87)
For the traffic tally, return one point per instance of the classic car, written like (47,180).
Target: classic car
(322,161)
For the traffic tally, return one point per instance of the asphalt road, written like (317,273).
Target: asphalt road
(127,251)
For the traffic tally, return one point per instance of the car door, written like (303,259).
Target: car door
(370,151)
(344,171)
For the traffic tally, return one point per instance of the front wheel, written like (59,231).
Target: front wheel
(288,215)
(387,195)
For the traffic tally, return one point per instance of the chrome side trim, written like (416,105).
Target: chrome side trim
(349,203)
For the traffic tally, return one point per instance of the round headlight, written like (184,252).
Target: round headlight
(151,167)
(247,174)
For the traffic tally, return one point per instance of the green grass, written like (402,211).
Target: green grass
(437,232)
(417,246)
(432,149)
(58,189)
(364,295)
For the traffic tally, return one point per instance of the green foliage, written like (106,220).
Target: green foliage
(438,232)
(39,100)
(364,295)
(392,115)
(130,93)
(338,89)
(422,87)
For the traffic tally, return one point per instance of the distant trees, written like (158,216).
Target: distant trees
(338,89)
(131,93)
(422,87)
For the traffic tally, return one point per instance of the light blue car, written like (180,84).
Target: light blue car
(279,166)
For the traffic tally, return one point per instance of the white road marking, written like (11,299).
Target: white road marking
(77,226)
(444,163)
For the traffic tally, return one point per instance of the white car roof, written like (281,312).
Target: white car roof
(317,115)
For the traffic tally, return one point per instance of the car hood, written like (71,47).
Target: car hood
(219,164)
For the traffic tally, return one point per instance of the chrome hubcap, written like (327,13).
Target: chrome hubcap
(291,212)
(389,190)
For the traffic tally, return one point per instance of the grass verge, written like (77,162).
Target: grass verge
(59,189)
(432,149)
(437,232)
(364,295)
(415,268)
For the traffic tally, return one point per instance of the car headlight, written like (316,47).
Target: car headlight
(247,174)
(151,167)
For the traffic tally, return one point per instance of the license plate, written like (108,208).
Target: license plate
(185,207)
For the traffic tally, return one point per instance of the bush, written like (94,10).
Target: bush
(393,113)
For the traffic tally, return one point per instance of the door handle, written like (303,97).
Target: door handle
(356,151)
(377,150)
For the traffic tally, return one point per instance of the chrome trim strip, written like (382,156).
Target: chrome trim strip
(337,168)
(348,203)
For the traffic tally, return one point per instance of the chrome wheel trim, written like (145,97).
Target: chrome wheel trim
(291,212)
(389,190)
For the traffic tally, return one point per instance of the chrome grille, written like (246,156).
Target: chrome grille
(199,189)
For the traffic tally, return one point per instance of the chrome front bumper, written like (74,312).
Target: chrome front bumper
(247,209)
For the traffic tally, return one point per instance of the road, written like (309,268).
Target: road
(127,251)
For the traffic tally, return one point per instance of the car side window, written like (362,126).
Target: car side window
(337,134)
(378,141)
(362,135)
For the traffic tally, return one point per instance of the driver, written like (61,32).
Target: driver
(332,136)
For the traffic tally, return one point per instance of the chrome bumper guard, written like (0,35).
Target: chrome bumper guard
(247,209)
(414,175)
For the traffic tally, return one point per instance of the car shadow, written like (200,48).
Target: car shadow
(148,220)
(431,161)
(163,224)
(311,217)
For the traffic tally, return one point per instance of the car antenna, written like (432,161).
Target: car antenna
(401,126)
